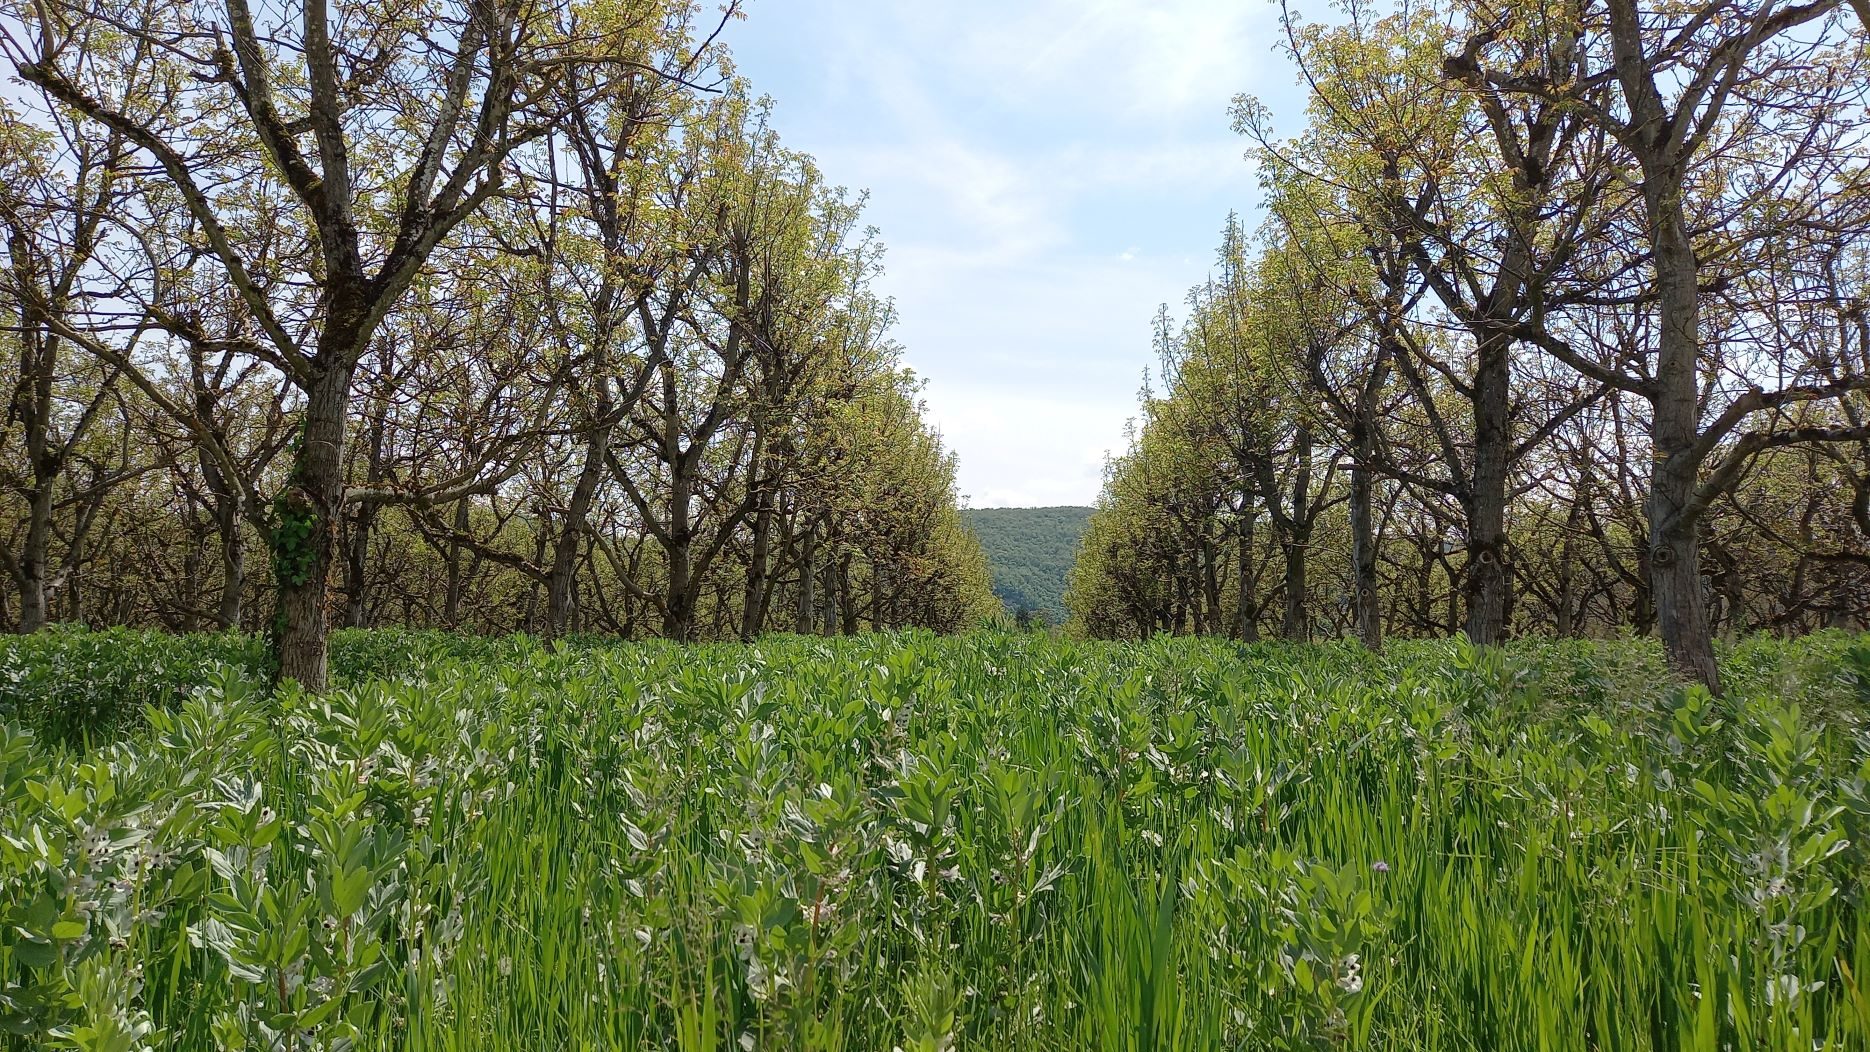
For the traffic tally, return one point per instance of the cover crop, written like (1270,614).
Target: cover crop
(980,842)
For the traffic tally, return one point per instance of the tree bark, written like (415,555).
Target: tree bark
(233,564)
(451,596)
(753,608)
(808,570)
(305,530)
(1213,619)
(1246,610)
(847,607)
(1365,612)
(1674,515)
(678,617)
(1485,584)
(570,540)
(1294,545)
(1674,390)
(357,568)
(34,558)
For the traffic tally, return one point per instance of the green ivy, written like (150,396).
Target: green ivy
(295,556)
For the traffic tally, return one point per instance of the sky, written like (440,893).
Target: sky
(1044,173)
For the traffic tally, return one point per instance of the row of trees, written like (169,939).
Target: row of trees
(1556,322)
(483,314)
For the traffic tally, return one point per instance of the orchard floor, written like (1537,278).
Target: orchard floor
(993,842)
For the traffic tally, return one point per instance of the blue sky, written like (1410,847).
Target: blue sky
(1044,172)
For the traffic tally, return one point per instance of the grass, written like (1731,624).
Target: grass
(986,842)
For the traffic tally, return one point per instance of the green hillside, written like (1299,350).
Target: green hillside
(1030,550)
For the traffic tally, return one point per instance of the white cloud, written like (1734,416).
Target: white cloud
(1026,450)
(1154,59)
(1045,174)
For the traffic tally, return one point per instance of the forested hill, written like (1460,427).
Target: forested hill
(1030,551)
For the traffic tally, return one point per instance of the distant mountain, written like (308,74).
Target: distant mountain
(1031,551)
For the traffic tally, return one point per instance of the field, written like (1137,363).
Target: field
(918,843)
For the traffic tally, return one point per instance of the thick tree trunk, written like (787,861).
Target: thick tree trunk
(1674,516)
(1246,609)
(233,564)
(808,570)
(305,531)
(753,607)
(357,568)
(1675,576)
(451,596)
(1211,584)
(35,559)
(1367,618)
(569,543)
(1485,586)
(229,512)
(678,617)
(1179,622)
(363,523)
(876,597)
(828,598)
(1369,621)
(847,605)
(559,580)
(1674,389)
(1297,625)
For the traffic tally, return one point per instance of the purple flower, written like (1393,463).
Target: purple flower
(1380,866)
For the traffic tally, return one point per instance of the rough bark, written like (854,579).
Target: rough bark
(1297,625)
(1246,613)
(1485,584)
(1369,621)
(808,570)
(35,556)
(305,531)
(1674,514)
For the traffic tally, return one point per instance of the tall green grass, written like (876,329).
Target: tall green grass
(987,842)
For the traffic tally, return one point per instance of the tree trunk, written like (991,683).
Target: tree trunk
(233,564)
(1294,546)
(1674,391)
(1369,621)
(828,598)
(876,596)
(71,579)
(1485,585)
(570,540)
(1675,576)
(451,597)
(357,568)
(1211,583)
(305,531)
(847,605)
(1246,611)
(678,617)
(34,557)
(808,570)
(1179,623)
(753,610)
(1674,516)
